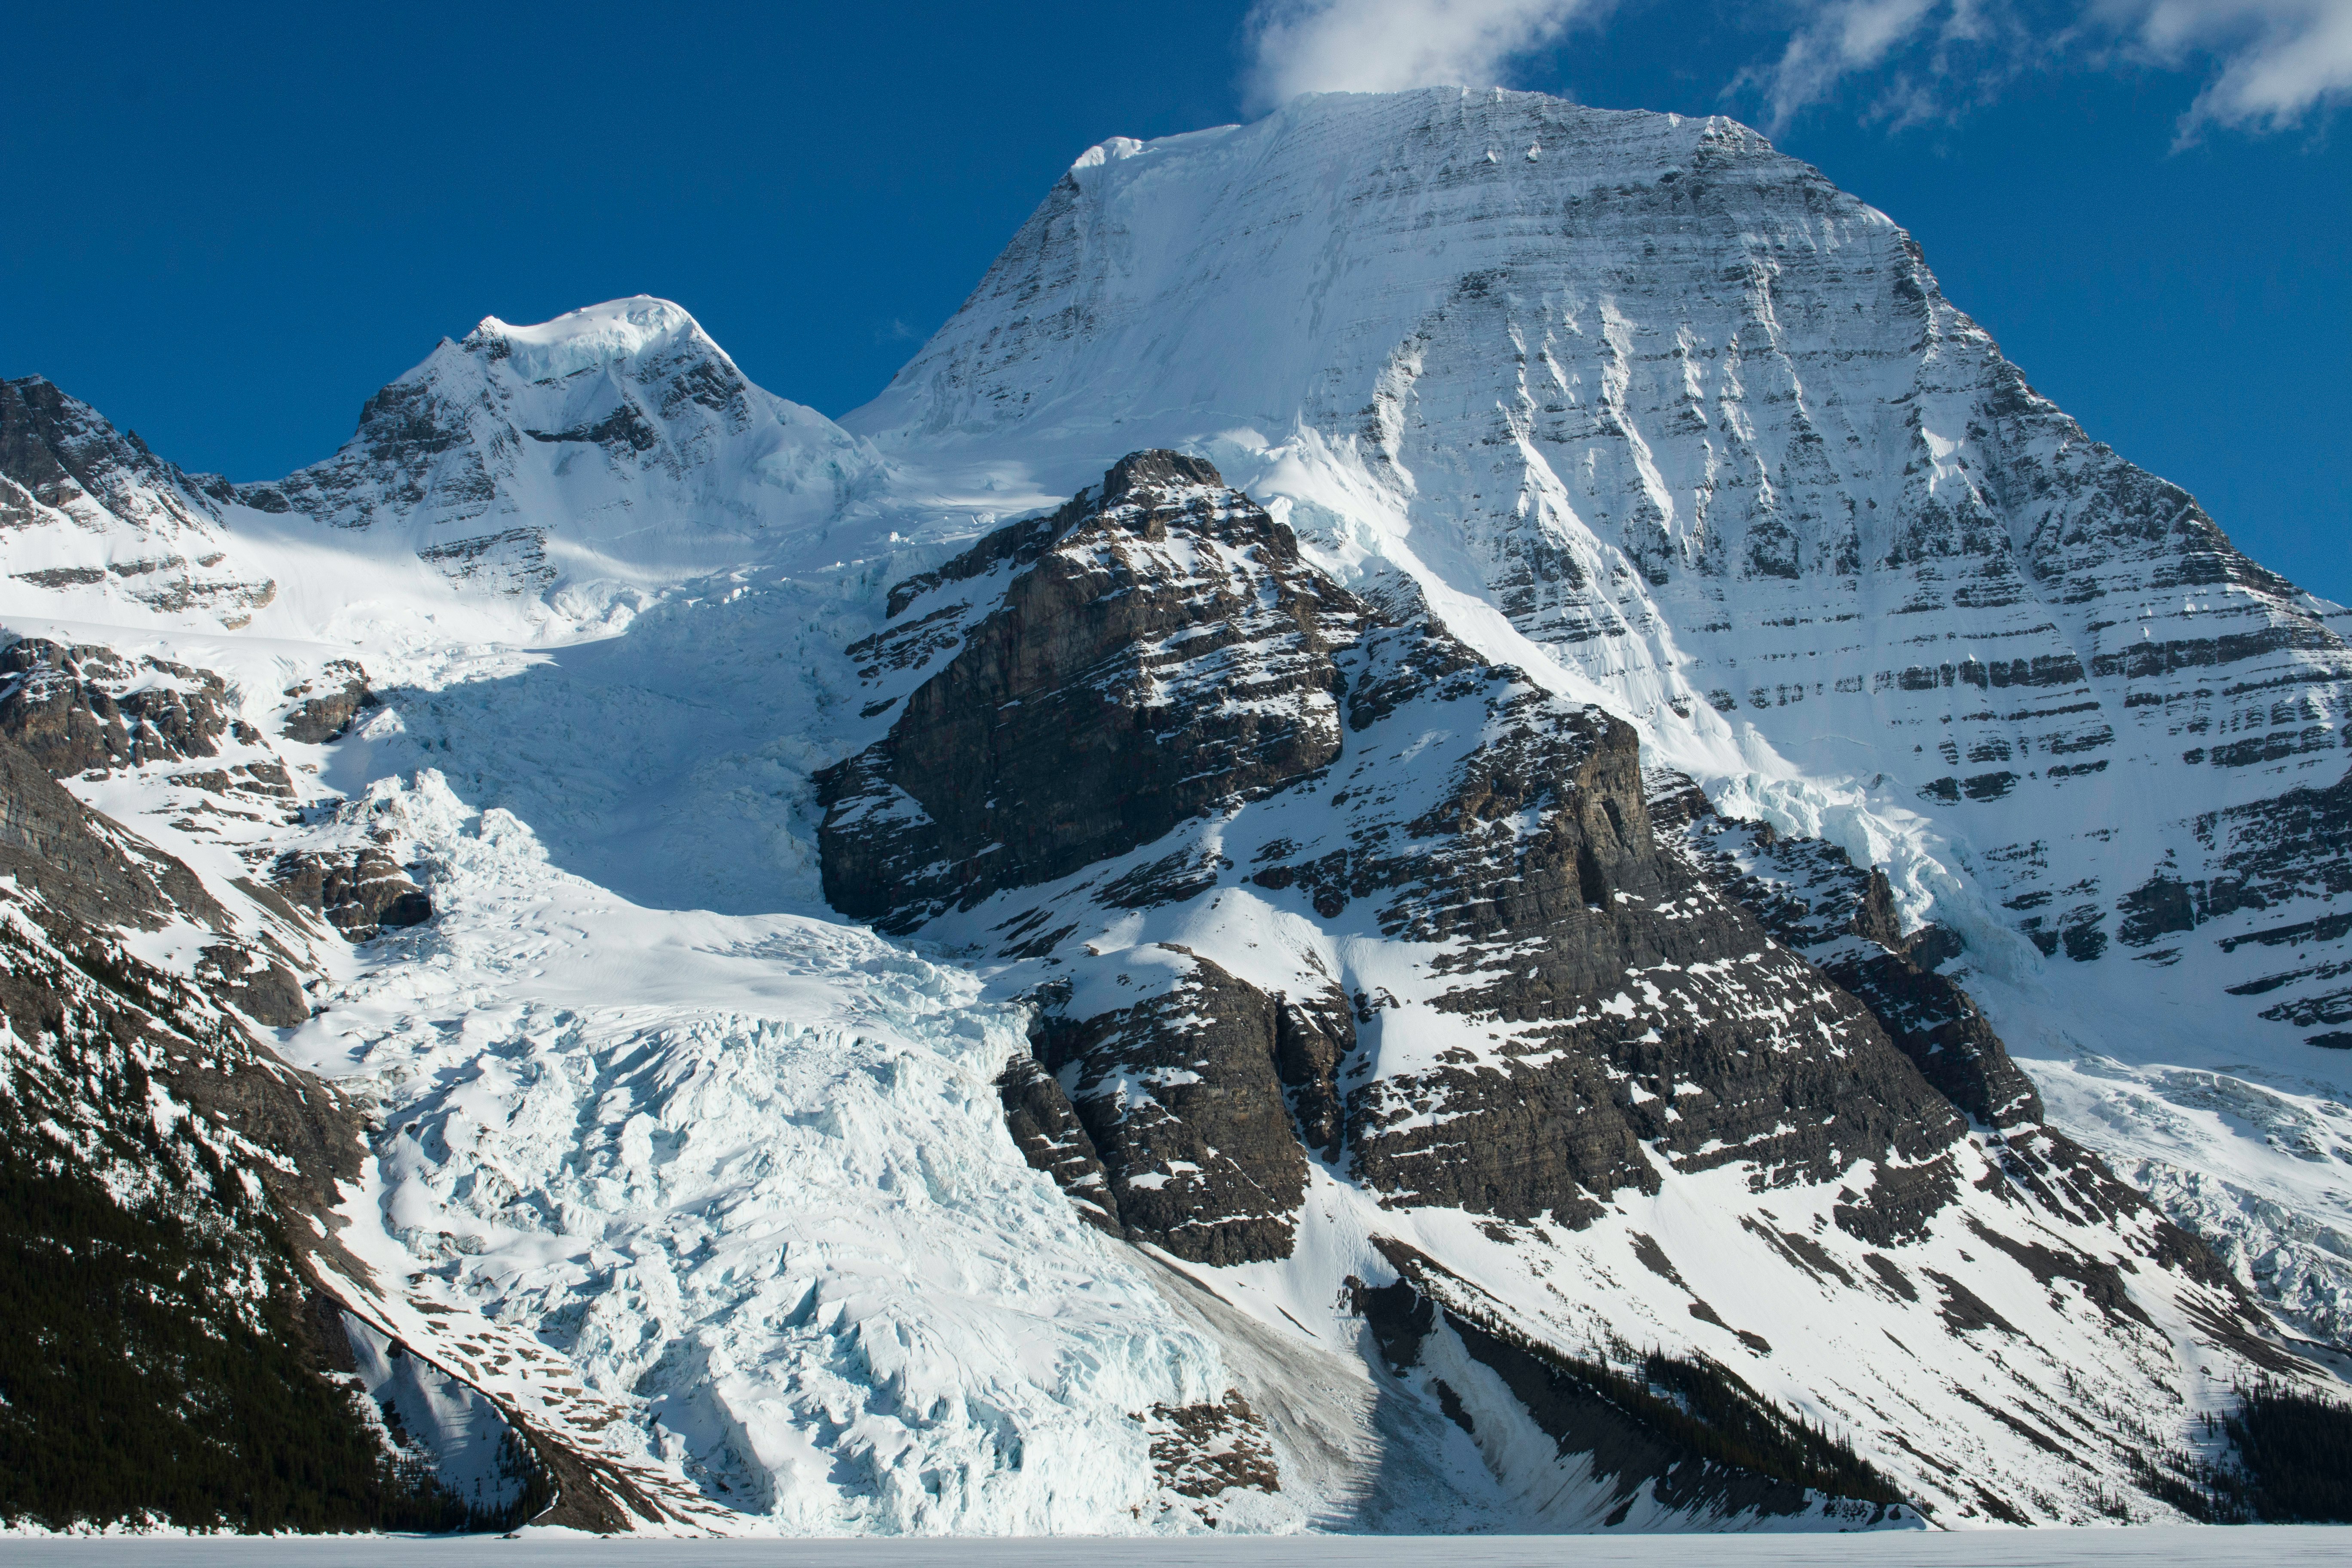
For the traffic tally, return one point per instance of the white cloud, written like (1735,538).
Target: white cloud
(1844,37)
(2279,59)
(2268,64)
(1380,45)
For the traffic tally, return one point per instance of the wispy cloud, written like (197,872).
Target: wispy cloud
(1380,45)
(2279,59)
(1842,38)
(2266,65)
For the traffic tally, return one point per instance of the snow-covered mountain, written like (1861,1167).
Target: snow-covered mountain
(1636,400)
(1545,856)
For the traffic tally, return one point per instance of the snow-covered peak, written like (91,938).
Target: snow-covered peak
(581,464)
(1659,415)
(617,330)
(1259,270)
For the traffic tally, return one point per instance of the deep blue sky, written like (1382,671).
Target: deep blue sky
(226,230)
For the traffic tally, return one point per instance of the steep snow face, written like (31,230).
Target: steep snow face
(1663,416)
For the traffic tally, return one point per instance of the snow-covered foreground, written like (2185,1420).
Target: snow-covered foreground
(2251,1546)
(748,1176)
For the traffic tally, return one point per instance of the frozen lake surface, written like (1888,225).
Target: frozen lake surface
(2251,1547)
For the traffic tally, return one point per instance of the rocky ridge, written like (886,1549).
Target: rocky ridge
(85,506)
(1490,984)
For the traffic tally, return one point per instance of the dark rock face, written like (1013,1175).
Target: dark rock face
(1165,659)
(259,986)
(1205,1450)
(58,449)
(82,867)
(2271,855)
(1052,1139)
(1630,1009)
(78,709)
(323,709)
(1179,1093)
(1168,652)
(361,891)
(1813,899)
(163,549)
(1313,1034)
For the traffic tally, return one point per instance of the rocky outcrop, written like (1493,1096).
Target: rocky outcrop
(257,984)
(84,868)
(323,709)
(1052,1139)
(106,513)
(361,891)
(2278,866)
(1814,899)
(1178,1092)
(1065,732)
(59,450)
(1168,651)
(84,708)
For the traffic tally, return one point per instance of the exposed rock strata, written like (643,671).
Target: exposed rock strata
(110,514)
(1125,683)
(1813,899)
(1179,1093)
(361,891)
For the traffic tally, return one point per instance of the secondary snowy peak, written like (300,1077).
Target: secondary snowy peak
(598,334)
(613,443)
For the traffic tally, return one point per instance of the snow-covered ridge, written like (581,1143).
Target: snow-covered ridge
(597,335)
